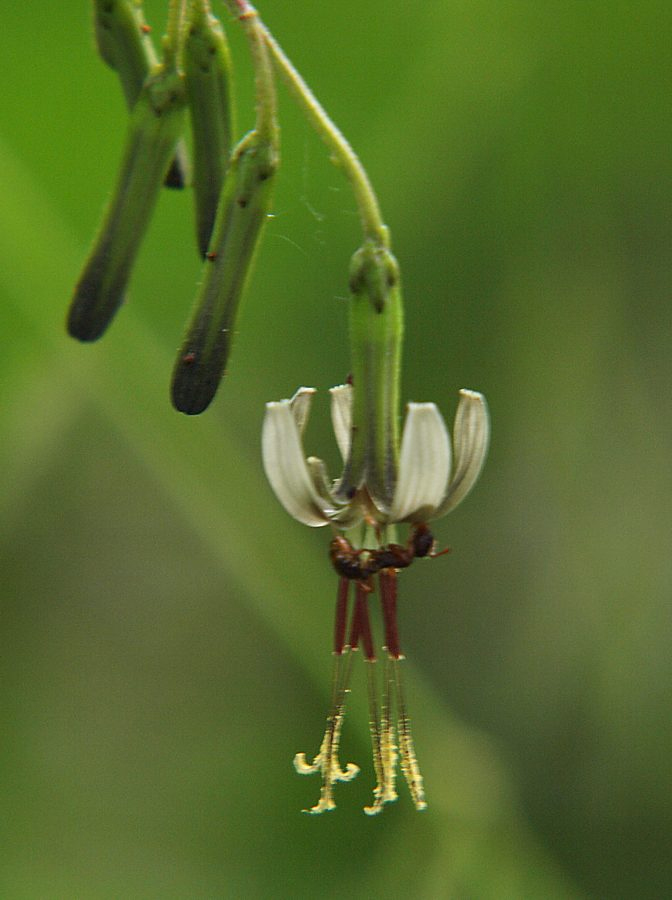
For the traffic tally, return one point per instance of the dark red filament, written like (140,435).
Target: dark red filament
(360,626)
(362,592)
(388,601)
(355,625)
(341,615)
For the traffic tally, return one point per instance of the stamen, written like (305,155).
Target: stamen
(388,740)
(326,762)
(393,682)
(361,629)
(375,729)
(385,748)
(409,762)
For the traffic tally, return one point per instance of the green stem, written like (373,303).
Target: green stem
(373,226)
(267,118)
(172,39)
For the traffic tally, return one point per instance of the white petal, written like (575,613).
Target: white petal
(320,478)
(471,436)
(424,464)
(346,516)
(341,417)
(300,406)
(286,468)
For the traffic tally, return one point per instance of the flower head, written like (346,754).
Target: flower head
(429,483)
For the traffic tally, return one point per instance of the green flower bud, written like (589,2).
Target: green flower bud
(207,72)
(155,125)
(242,211)
(124,43)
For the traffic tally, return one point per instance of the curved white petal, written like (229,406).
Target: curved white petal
(319,476)
(300,406)
(341,417)
(471,436)
(424,464)
(286,467)
(345,516)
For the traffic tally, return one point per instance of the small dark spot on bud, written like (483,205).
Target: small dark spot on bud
(351,492)
(349,379)
(205,68)
(211,255)
(189,358)
(242,202)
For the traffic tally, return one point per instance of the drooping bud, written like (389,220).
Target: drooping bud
(243,209)
(207,72)
(124,42)
(154,127)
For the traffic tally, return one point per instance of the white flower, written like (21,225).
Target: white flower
(429,482)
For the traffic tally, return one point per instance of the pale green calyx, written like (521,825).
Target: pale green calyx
(429,482)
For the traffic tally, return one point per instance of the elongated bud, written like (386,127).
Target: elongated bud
(243,209)
(376,330)
(154,127)
(124,43)
(207,68)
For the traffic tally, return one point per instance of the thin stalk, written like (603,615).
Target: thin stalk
(172,39)
(369,209)
(265,85)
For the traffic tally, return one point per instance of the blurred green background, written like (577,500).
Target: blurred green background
(166,628)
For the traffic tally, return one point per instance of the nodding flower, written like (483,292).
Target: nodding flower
(431,480)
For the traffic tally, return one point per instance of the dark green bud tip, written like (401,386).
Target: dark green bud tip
(374,272)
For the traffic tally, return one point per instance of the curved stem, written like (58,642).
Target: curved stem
(369,210)
(267,121)
(367,202)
